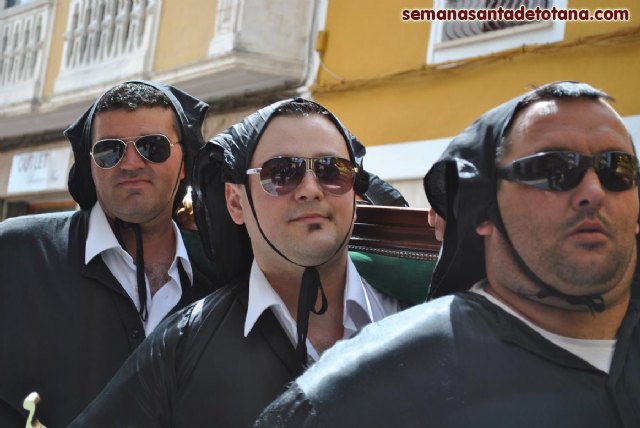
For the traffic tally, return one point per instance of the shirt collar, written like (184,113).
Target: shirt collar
(101,238)
(181,252)
(357,310)
(261,297)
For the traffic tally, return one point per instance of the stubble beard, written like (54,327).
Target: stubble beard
(567,270)
(586,277)
(307,251)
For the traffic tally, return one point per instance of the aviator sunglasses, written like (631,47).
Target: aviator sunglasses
(108,153)
(564,170)
(281,175)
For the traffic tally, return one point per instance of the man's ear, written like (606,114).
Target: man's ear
(233,196)
(485,228)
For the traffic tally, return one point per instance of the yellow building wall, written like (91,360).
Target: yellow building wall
(186,28)
(368,39)
(60,20)
(374,75)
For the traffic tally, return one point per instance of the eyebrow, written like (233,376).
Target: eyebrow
(316,155)
(130,137)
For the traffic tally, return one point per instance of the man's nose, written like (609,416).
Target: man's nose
(131,159)
(589,193)
(309,187)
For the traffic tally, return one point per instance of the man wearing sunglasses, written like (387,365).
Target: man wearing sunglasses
(81,290)
(275,204)
(536,324)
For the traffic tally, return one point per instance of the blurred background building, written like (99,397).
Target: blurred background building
(404,88)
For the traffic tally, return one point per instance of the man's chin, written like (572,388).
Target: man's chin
(135,215)
(586,284)
(315,254)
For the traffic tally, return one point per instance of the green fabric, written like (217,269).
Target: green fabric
(197,257)
(405,279)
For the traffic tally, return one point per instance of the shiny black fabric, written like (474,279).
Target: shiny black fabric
(460,361)
(66,327)
(379,192)
(226,158)
(198,370)
(190,112)
(461,188)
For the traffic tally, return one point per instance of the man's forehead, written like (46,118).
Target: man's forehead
(567,115)
(128,114)
(301,135)
(142,120)
(289,125)
(559,110)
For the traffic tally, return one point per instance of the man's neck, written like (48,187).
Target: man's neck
(324,330)
(556,317)
(159,245)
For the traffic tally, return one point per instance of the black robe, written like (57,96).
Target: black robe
(197,369)
(461,361)
(65,327)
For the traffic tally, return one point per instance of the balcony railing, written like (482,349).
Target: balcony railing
(23,34)
(106,40)
(254,46)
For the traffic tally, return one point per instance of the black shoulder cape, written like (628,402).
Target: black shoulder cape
(460,361)
(198,369)
(65,327)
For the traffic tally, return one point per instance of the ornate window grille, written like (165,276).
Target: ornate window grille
(453,41)
(106,40)
(454,30)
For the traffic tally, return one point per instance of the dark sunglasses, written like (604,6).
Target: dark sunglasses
(281,175)
(564,170)
(108,153)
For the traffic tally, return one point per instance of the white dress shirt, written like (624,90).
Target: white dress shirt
(362,305)
(598,353)
(101,240)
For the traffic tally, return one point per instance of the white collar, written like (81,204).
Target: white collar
(100,238)
(598,353)
(357,311)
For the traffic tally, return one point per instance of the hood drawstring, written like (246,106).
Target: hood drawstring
(141,281)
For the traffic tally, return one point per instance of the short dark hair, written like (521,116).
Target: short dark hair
(552,91)
(299,107)
(133,95)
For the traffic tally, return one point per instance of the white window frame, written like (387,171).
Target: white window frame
(492,42)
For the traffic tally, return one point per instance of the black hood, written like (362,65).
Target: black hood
(190,112)
(226,158)
(379,192)
(462,187)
